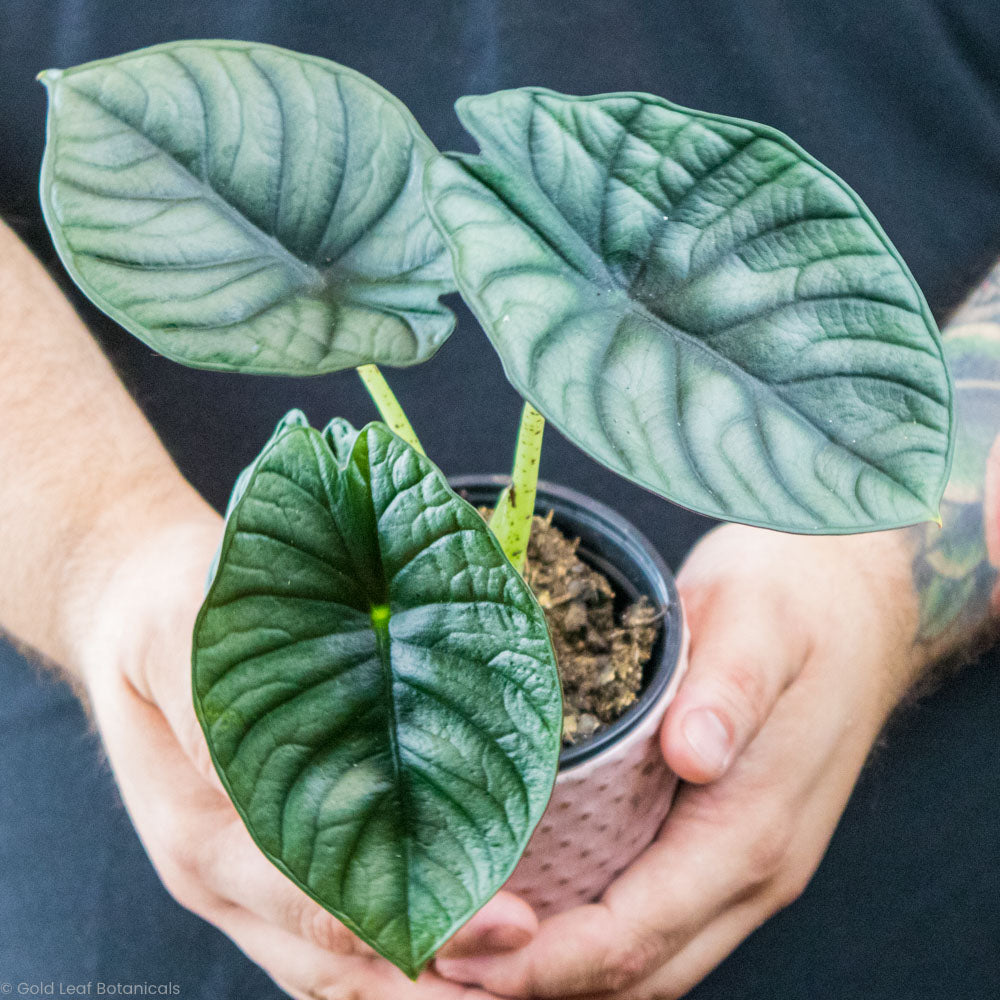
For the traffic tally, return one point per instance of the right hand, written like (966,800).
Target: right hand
(134,661)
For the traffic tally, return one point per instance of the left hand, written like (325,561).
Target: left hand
(801,648)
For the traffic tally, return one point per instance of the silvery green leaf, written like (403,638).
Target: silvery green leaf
(241,207)
(701,306)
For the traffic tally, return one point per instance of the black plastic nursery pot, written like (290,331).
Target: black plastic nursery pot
(618,549)
(614,789)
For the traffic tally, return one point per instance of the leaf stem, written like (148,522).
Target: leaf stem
(388,406)
(511,520)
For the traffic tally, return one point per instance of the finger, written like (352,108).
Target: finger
(163,670)
(174,812)
(307,972)
(679,885)
(240,874)
(172,695)
(715,941)
(678,973)
(721,844)
(211,857)
(505,923)
(156,778)
(187,828)
(695,960)
(744,655)
(159,590)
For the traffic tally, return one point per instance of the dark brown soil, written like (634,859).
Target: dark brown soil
(600,658)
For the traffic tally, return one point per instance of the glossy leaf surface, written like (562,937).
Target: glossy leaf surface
(701,306)
(241,207)
(376,685)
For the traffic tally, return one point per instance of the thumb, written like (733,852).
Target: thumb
(505,923)
(743,656)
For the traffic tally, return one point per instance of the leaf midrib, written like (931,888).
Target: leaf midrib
(383,641)
(637,308)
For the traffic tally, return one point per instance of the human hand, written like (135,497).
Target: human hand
(801,647)
(134,660)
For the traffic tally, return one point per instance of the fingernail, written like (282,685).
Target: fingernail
(471,971)
(708,738)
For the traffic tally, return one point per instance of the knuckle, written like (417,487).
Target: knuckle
(335,991)
(635,959)
(178,881)
(192,740)
(179,863)
(323,930)
(201,757)
(793,883)
(747,694)
(787,891)
(768,852)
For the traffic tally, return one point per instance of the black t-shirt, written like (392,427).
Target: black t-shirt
(901,100)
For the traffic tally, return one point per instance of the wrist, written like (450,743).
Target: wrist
(886,607)
(111,580)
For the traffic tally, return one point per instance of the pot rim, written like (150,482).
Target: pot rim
(661,589)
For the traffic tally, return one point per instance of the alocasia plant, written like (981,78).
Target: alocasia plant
(692,299)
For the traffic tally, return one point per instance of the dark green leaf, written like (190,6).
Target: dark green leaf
(377,688)
(241,207)
(293,418)
(701,306)
(340,435)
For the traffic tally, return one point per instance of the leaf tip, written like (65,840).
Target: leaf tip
(461,103)
(413,973)
(468,108)
(292,419)
(48,77)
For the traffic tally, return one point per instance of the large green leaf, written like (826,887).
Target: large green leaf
(240,207)
(376,685)
(701,306)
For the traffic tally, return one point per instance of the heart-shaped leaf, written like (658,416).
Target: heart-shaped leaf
(701,306)
(377,686)
(241,207)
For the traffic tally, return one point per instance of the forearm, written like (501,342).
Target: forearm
(955,567)
(82,475)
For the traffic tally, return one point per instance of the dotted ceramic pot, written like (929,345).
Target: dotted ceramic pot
(613,790)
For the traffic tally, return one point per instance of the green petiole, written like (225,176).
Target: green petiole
(511,520)
(388,406)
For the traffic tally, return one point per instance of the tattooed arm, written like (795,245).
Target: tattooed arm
(955,568)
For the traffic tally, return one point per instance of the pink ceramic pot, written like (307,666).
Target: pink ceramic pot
(613,790)
(604,812)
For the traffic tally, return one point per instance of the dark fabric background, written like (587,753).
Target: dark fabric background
(902,100)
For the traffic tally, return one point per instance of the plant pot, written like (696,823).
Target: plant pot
(613,790)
